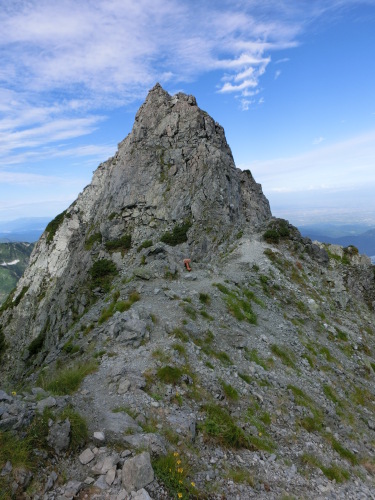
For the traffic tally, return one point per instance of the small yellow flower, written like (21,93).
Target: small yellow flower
(178,462)
(170,470)
(14,393)
(192,483)
(175,454)
(180,470)
(180,482)
(179,495)
(260,434)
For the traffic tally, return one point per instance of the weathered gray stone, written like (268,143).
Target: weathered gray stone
(137,472)
(110,476)
(59,436)
(105,464)
(7,469)
(5,397)
(86,456)
(184,424)
(52,478)
(153,442)
(140,495)
(45,403)
(99,438)
(72,488)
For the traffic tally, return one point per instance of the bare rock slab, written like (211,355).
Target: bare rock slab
(137,472)
(86,456)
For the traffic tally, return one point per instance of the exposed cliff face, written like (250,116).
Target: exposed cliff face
(174,169)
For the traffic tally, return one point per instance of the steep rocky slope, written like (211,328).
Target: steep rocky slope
(252,376)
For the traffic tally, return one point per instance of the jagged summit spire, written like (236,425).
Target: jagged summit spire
(174,170)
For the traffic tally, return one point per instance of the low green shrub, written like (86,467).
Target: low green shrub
(69,347)
(91,240)
(54,225)
(122,244)
(102,273)
(178,234)
(145,244)
(169,374)
(36,345)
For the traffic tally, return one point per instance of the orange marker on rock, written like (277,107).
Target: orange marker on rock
(186,264)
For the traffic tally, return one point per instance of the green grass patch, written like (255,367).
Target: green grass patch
(67,380)
(220,426)
(69,347)
(172,470)
(180,334)
(205,299)
(312,423)
(119,305)
(229,391)
(332,472)
(223,357)
(286,356)
(240,476)
(36,345)
(252,355)
(190,311)
(342,451)
(207,316)
(237,306)
(78,428)
(180,348)
(245,377)
(169,374)
(331,394)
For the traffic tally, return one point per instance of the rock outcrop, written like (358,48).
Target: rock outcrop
(174,171)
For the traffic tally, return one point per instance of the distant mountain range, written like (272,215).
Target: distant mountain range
(23,230)
(360,236)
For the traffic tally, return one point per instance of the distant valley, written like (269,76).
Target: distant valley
(23,230)
(361,236)
(14,258)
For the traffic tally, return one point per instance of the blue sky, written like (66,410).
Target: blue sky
(292,82)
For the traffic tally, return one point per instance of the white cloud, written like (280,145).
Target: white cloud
(341,166)
(318,140)
(277,74)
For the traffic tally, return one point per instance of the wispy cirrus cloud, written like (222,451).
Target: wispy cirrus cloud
(345,165)
(65,65)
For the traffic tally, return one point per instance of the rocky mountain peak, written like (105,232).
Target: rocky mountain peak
(248,376)
(172,183)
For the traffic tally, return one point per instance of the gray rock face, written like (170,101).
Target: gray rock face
(174,166)
(59,436)
(137,472)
